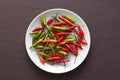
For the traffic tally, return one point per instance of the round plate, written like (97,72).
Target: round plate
(69,65)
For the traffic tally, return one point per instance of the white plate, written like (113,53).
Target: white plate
(58,68)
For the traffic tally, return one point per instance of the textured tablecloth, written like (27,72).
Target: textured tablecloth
(102,18)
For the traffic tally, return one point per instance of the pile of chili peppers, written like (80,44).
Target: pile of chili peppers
(56,38)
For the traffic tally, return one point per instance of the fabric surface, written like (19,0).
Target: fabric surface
(102,18)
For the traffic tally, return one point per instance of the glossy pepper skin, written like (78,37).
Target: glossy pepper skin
(41,35)
(43,54)
(37,29)
(36,43)
(42,21)
(63,61)
(51,55)
(80,30)
(62,52)
(49,40)
(83,41)
(53,58)
(39,47)
(60,39)
(65,20)
(70,48)
(69,18)
(61,43)
(78,33)
(57,54)
(49,21)
(78,44)
(61,34)
(41,58)
(75,48)
(69,37)
(60,28)
(70,28)
(64,49)
(69,40)
(58,23)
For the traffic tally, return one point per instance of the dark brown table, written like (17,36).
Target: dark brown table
(102,18)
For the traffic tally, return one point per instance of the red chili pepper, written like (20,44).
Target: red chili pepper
(60,39)
(60,34)
(37,29)
(49,21)
(54,31)
(78,41)
(62,61)
(58,24)
(74,52)
(79,45)
(77,33)
(80,30)
(83,41)
(51,55)
(64,49)
(75,48)
(57,54)
(69,47)
(65,20)
(53,58)
(71,28)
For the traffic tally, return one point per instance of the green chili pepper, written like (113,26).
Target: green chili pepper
(36,43)
(42,34)
(50,46)
(49,62)
(38,34)
(69,37)
(44,55)
(69,40)
(52,49)
(50,31)
(57,47)
(51,35)
(39,47)
(56,18)
(68,17)
(32,33)
(42,20)
(34,39)
(60,28)
(62,52)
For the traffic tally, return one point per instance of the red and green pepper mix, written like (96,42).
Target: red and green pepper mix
(54,39)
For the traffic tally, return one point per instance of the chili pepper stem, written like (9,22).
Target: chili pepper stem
(64,65)
(75,59)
